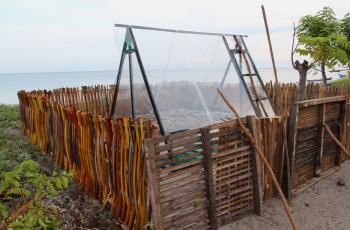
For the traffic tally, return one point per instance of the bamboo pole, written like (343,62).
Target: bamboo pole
(270,45)
(336,140)
(261,155)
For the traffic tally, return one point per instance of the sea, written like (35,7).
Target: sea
(11,83)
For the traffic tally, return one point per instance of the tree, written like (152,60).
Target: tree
(320,38)
(345,27)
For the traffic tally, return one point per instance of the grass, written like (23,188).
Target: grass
(24,184)
(340,82)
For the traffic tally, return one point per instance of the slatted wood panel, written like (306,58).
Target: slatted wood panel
(201,178)
(233,173)
(180,180)
(314,151)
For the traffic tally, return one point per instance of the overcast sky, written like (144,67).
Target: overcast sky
(75,35)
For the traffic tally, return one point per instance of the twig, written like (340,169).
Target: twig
(19,211)
(261,155)
(293,48)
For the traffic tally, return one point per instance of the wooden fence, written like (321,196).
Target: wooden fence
(284,95)
(313,151)
(206,177)
(106,154)
(198,178)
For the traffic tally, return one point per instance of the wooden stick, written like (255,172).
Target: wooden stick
(14,215)
(261,155)
(270,45)
(336,140)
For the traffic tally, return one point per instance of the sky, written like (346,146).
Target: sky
(78,35)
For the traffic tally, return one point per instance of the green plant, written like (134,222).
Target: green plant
(26,180)
(38,217)
(8,115)
(321,39)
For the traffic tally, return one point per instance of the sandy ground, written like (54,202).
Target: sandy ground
(323,206)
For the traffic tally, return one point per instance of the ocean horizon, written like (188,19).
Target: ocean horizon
(11,83)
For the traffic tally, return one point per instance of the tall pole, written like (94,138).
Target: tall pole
(270,45)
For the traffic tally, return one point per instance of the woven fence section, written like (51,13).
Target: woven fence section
(232,172)
(106,154)
(202,178)
(315,152)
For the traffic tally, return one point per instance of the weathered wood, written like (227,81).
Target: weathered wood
(208,172)
(153,183)
(336,140)
(256,169)
(325,100)
(254,143)
(322,118)
(292,137)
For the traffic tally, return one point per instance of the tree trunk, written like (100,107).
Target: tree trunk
(302,69)
(323,71)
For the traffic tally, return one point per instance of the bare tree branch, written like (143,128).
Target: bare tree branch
(293,48)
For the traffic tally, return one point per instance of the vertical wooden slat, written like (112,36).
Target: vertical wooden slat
(321,117)
(342,123)
(292,137)
(153,183)
(258,197)
(208,173)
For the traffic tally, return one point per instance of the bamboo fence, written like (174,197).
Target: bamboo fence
(198,178)
(106,154)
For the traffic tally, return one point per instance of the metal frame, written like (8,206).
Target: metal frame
(145,79)
(231,52)
(239,72)
(258,76)
(174,31)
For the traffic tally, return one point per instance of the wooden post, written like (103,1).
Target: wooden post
(153,183)
(208,173)
(258,197)
(292,137)
(321,117)
(270,45)
(342,121)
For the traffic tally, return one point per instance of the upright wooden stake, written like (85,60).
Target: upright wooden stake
(209,181)
(261,155)
(258,194)
(270,45)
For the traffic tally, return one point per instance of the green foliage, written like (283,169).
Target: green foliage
(27,180)
(8,115)
(321,39)
(22,179)
(345,25)
(340,82)
(14,150)
(3,211)
(323,24)
(39,217)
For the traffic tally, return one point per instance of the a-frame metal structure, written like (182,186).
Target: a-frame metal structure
(239,57)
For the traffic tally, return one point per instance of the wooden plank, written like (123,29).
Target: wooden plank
(322,117)
(256,169)
(292,137)
(324,100)
(208,172)
(341,120)
(153,183)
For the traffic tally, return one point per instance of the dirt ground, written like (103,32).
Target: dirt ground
(323,206)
